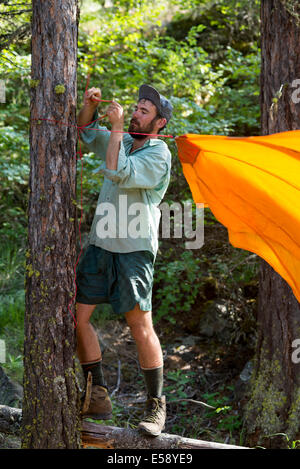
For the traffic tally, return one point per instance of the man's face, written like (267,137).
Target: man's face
(144,119)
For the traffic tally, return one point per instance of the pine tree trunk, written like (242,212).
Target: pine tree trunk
(50,406)
(274,405)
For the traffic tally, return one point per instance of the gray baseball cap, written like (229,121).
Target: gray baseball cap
(163,105)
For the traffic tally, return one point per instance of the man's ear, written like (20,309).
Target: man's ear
(162,122)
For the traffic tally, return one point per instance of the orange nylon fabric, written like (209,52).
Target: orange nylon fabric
(252,186)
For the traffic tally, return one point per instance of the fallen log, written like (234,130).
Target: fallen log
(10,420)
(96,435)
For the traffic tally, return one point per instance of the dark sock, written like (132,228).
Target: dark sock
(97,373)
(154,381)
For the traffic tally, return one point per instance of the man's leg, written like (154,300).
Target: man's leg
(147,342)
(151,362)
(89,354)
(88,348)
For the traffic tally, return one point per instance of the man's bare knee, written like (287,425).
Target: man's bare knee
(137,317)
(84,313)
(140,323)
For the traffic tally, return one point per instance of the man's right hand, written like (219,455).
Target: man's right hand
(90,98)
(89,106)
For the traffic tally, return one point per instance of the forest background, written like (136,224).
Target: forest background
(204,56)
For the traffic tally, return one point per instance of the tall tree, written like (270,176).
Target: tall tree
(274,405)
(50,407)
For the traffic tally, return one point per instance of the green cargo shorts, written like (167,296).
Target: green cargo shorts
(120,279)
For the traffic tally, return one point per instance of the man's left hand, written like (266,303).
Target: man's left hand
(115,115)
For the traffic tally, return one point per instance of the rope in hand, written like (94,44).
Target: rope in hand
(79,152)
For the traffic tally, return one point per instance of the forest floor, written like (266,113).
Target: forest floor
(205,394)
(205,351)
(198,372)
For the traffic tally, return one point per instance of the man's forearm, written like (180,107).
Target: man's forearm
(113,149)
(85,115)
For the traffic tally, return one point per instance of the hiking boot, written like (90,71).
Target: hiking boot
(96,402)
(154,421)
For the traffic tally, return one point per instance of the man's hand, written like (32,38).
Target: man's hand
(115,115)
(89,106)
(90,97)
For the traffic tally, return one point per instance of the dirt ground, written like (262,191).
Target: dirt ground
(202,383)
(198,372)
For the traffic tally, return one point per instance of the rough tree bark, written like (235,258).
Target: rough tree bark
(274,405)
(50,406)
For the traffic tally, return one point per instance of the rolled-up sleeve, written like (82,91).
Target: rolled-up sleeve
(96,137)
(146,169)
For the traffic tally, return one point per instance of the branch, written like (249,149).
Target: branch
(17,34)
(18,66)
(14,12)
(14,5)
(118,380)
(10,420)
(193,402)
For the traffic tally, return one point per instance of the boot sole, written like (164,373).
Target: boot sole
(148,433)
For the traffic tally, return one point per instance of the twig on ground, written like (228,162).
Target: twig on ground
(193,402)
(118,379)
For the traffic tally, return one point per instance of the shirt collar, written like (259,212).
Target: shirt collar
(149,143)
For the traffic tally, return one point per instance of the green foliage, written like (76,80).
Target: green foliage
(176,280)
(14,145)
(291,444)
(14,22)
(12,299)
(14,368)
(205,57)
(14,170)
(12,306)
(11,269)
(179,379)
(12,311)
(228,419)
(125,56)
(122,46)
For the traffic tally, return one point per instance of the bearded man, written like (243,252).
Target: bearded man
(118,265)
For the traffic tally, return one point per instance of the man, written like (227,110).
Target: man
(117,267)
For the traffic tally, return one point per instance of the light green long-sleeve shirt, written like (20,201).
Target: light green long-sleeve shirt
(127,214)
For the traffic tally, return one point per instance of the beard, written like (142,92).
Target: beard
(138,132)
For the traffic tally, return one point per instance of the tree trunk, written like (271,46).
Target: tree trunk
(50,406)
(274,405)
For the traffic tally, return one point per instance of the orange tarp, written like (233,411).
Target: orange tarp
(252,186)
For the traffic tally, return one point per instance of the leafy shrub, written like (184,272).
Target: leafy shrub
(175,283)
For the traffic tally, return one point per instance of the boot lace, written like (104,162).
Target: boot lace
(153,411)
